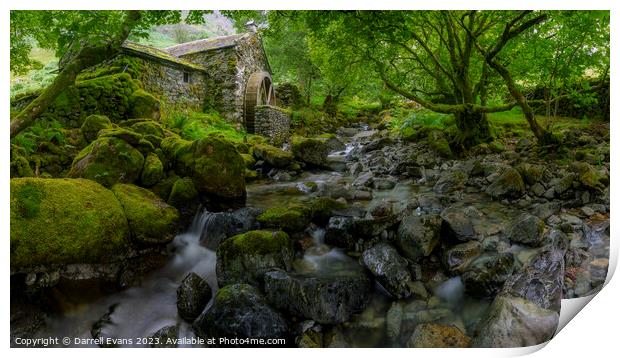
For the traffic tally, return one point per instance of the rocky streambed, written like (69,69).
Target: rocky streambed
(381,243)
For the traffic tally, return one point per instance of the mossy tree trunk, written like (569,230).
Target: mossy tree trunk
(86,57)
(473,127)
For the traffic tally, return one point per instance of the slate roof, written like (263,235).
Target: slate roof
(209,44)
(153,53)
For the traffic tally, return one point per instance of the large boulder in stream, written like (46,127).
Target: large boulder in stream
(450,182)
(515,322)
(65,221)
(311,151)
(108,160)
(389,268)
(418,235)
(246,257)
(241,311)
(273,156)
(326,297)
(214,164)
(151,220)
(434,335)
(541,279)
(192,296)
(222,225)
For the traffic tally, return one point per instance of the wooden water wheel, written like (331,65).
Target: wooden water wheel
(258,91)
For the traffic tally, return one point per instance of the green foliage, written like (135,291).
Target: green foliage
(40,131)
(197,125)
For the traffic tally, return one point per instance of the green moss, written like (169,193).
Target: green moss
(249,160)
(250,175)
(324,206)
(182,192)
(144,105)
(93,124)
(153,170)
(214,165)
(64,221)
(588,176)
(108,160)
(148,128)
(150,219)
(256,242)
(310,150)
(273,156)
(531,174)
(20,167)
(291,218)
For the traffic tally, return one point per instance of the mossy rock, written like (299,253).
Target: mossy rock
(273,156)
(311,151)
(531,173)
(496,146)
(93,124)
(249,160)
(214,165)
(250,175)
(65,221)
(246,257)
(153,170)
(182,192)
(144,105)
(174,146)
(135,139)
(588,176)
(438,142)
(20,167)
(151,220)
(509,184)
(323,207)
(148,128)
(290,218)
(164,186)
(108,161)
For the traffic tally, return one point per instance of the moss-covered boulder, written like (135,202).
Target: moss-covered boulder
(65,221)
(249,160)
(588,176)
(290,218)
(311,151)
(108,160)
(144,105)
(531,173)
(246,257)
(273,156)
(20,167)
(508,184)
(182,193)
(438,142)
(135,139)
(150,219)
(153,170)
(93,124)
(214,165)
(146,128)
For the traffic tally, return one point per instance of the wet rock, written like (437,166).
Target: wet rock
(540,281)
(418,235)
(311,151)
(433,335)
(192,296)
(545,210)
(537,189)
(338,232)
(246,257)
(290,218)
(485,276)
(532,174)
(377,144)
(564,184)
(458,257)
(588,176)
(219,226)
(393,320)
(526,229)
(508,184)
(515,322)
(101,329)
(457,223)
(165,337)
(383,183)
(240,310)
(327,298)
(450,182)
(389,268)
(364,180)
(311,335)
(371,226)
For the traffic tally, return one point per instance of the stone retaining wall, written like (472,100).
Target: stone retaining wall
(273,123)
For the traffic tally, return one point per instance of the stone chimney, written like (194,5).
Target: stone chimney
(251,26)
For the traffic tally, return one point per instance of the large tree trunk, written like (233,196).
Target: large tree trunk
(86,57)
(474,128)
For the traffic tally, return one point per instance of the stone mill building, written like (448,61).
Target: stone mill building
(229,74)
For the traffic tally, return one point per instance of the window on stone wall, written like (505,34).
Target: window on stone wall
(186,77)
